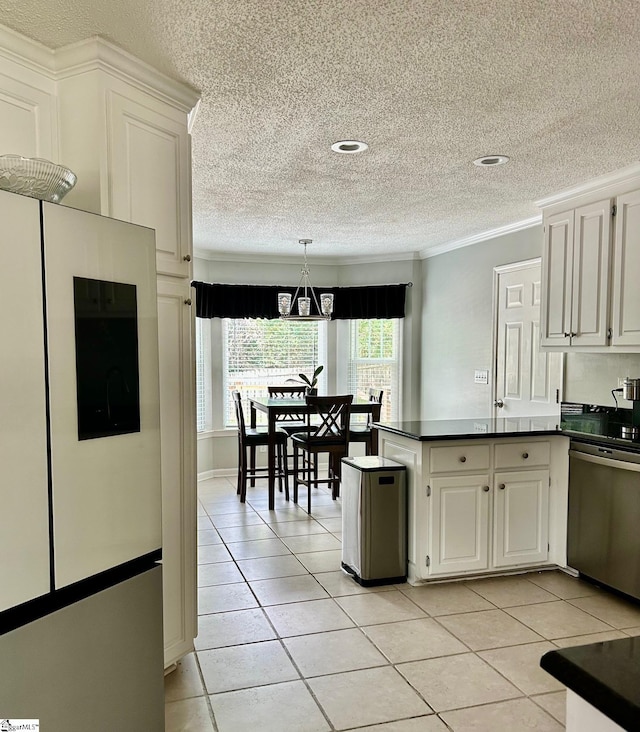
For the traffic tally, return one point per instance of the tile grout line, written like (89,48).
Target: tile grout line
(503,609)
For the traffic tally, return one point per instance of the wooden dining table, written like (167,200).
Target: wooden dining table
(278,409)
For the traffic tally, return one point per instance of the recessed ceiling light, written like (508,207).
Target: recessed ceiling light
(489,160)
(349,146)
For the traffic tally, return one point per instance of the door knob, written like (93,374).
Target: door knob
(463,459)
(485,488)
(498,403)
(502,486)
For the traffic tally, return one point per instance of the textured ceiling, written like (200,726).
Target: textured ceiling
(428,85)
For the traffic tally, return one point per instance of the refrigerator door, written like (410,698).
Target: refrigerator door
(104,395)
(24,550)
(94,665)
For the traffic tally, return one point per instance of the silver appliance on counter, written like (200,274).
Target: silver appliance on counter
(604,515)
(630,390)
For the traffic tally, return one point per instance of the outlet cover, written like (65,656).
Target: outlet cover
(481,376)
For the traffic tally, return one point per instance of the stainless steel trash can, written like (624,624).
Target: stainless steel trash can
(374,520)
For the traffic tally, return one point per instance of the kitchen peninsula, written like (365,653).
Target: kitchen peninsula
(485,496)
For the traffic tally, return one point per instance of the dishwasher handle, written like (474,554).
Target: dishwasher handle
(597,460)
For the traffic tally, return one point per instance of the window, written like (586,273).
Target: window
(203,381)
(261,353)
(374,362)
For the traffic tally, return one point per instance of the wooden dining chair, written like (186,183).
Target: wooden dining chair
(248,440)
(364,432)
(291,423)
(328,434)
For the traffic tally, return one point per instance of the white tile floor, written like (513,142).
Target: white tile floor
(287,642)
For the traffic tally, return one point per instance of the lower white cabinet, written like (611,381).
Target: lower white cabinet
(520,518)
(459,524)
(483,506)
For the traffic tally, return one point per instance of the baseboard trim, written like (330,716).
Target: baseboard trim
(218,473)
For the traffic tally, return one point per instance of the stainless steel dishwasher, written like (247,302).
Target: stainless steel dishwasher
(604,515)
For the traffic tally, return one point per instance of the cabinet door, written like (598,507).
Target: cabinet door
(626,293)
(177,440)
(557,274)
(591,263)
(521,518)
(151,173)
(459,524)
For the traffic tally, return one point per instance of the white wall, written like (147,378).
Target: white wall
(457,297)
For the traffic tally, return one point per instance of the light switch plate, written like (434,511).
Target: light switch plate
(481,376)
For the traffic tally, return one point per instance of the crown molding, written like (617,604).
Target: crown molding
(214,256)
(211,256)
(482,236)
(98,53)
(31,54)
(595,185)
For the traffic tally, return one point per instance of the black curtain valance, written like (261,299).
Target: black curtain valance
(260,301)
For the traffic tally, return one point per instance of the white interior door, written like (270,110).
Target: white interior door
(528,381)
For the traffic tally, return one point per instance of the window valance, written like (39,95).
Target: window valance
(260,301)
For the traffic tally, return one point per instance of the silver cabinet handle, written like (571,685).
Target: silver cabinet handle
(502,486)
(485,488)
(463,459)
(498,403)
(525,455)
(187,258)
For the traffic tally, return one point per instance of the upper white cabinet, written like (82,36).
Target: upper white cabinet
(150,178)
(575,293)
(626,266)
(130,146)
(591,252)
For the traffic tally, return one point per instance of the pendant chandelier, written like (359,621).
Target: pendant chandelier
(324,306)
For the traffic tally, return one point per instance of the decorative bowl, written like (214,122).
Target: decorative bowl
(35,177)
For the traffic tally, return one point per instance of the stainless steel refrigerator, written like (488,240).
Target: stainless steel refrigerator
(81,643)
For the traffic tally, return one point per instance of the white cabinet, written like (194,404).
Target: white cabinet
(175,324)
(459,524)
(467,509)
(150,174)
(575,291)
(484,505)
(521,518)
(590,299)
(626,292)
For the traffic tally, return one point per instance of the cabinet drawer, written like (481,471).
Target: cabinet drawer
(521,454)
(459,457)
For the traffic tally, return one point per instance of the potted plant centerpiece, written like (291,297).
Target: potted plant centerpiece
(311,383)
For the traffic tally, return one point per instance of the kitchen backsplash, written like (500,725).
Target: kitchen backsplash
(590,377)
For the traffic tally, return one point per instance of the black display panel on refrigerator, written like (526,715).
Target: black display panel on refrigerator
(107,373)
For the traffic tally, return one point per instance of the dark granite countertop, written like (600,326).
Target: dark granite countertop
(458,429)
(606,675)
